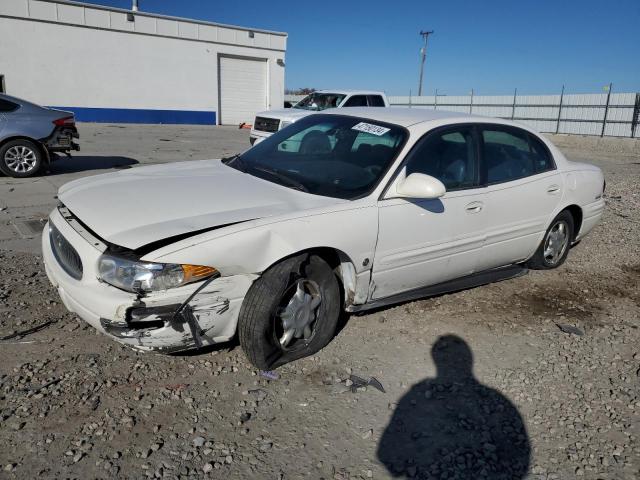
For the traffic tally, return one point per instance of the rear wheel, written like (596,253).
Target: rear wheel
(20,158)
(555,245)
(290,312)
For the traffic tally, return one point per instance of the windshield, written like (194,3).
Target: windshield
(320,101)
(331,155)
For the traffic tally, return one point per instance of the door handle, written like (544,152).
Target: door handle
(553,189)
(474,207)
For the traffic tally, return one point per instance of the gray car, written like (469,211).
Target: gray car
(31,135)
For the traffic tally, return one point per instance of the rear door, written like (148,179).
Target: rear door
(523,189)
(243,89)
(425,242)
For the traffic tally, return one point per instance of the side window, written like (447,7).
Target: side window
(356,101)
(449,156)
(541,155)
(375,101)
(512,154)
(7,106)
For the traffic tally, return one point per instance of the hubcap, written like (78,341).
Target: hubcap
(556,242)
(299,315)
(20,159)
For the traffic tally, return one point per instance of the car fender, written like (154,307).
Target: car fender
(351,233)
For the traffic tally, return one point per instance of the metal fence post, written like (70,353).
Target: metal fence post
(559,110)
(635,119)
(409,98)
(606,110)
(435,100)
(471,104)
(513,107)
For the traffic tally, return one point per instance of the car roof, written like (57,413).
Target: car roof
(407,116)
(351,92)
(19,101)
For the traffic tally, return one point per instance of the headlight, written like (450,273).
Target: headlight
(136,276)
(284,124)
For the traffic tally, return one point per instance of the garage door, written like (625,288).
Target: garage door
(243,89)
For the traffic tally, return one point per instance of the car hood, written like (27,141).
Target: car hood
(286,113)
(136,207)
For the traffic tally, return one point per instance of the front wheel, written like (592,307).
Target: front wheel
(290,312)
(20,158)
(555,245)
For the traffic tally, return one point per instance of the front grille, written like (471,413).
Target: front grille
(266,124)
(65,254)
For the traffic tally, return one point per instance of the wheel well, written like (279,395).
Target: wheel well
(43,150)
(576,213)
(335,258)
(329,255)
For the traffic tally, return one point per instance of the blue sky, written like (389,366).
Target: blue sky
(492,46)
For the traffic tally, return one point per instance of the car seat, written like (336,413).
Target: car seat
(316,142)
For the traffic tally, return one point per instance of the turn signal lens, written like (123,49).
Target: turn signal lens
(193,273)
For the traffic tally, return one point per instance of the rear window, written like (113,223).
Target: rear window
(356,101)
(375,101)
(7,106)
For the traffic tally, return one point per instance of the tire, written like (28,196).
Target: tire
(20,158)
(261,329)
(555,242)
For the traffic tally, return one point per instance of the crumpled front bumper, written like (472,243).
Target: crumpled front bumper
(177,319)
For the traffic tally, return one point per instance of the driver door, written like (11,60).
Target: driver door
(425,242)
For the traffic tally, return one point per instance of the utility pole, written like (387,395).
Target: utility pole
(423,55)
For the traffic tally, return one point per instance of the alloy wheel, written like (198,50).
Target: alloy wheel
(556,242)
(20,159)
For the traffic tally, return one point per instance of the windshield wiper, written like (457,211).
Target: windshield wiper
(234,161)
(230,158)
(282,177)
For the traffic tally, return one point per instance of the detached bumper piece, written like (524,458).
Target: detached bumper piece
(141,321)
(61,140)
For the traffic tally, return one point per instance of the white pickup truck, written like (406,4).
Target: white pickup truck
(268,122)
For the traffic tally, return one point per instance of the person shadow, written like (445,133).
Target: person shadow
(454,427)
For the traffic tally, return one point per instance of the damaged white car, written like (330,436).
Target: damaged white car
(341,211)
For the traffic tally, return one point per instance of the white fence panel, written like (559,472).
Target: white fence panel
(588,99)
(618,130)
(580,114)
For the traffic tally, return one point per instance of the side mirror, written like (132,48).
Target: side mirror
(419,185)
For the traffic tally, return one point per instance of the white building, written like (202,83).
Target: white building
(113,65)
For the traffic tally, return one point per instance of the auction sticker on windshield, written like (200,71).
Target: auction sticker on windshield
(369,128)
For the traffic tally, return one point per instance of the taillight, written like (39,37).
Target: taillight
(65,122)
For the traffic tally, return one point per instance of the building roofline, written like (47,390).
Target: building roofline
(165,17)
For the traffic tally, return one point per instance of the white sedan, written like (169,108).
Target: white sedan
(342,211)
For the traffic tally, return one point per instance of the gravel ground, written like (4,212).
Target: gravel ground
(536,377)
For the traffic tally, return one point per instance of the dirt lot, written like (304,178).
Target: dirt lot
(484,380)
